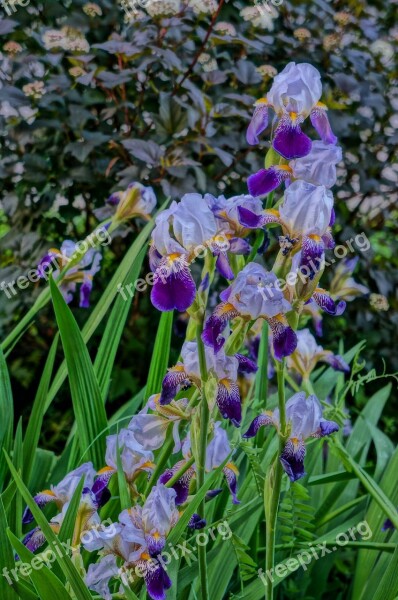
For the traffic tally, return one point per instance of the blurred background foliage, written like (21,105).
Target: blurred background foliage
(165,100)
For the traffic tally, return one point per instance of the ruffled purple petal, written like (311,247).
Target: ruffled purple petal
(228,401)
(264,181)
(34,539)
(176,290)
(324,301)
(327,427)
(320,122)
(157,582)
(260,421)
(155,544)
(171,383)
(246,365)
(181,486)
(290,141)
(249,219)
(311,255)
(284,339)
(258,124)
(292,459)
(196,522)
(223,266)
(101,492)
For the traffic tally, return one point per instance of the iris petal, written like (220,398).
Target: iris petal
(228,401)
(292,459)
(320,122)
(290,141)
(175,290)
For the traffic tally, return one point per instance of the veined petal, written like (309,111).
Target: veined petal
(155,543)
(324,300)
(292,459)
(260,421)
(231,473)
(320,122)
(171,383)
(85,292)
(157,582)
(239,246)
(174,288)
(284,339)
(258,123)
(181,486)
(312,253)
(290,141)
(228,401)
(216,324)
(41,500)
(246,365)
(196,522)
(249,219)
(34,539)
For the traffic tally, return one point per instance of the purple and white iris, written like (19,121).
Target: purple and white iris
(308,354)
(318,168)
(294,96)
(305,216)
(223,368)
(82,273)
(187,231)
(137,538)
(304,419)
(253,295)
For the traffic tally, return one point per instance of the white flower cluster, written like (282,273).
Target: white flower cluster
(66,38)
(156,8)
(203,6)
(92,10)
(34,90)
(260,15)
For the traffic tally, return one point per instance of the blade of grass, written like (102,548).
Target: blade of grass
(48,586)
(88,407)
(107,350)
(7,414)
(64,561)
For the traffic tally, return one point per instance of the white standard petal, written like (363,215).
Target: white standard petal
(306,209)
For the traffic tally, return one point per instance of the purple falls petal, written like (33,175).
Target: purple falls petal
(264,181)
(338,363)
(249,219)
(171,383)
(239,246)
(228,401)
(320,122)
(196,522)
(323,299)
(246,365)
(41,500)
(327,427)
(175,291)
(312,254)
(292,459)
(182,485)
(230,473)
(290,141)
(260,421)
(157,582)
(284,339)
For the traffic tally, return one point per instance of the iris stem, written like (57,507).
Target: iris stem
(204,424)
(272,488)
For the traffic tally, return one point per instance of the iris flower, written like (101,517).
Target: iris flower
(294,96)
(224,368)
(304,420)
(138,537)
(82,273)
(318,168)
(184,232)
(308,354)
(305,216)
(253,295)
